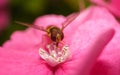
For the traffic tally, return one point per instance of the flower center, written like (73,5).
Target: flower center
(55,55)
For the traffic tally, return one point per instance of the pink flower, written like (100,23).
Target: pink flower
(89,34)
(112,5)
(3,13)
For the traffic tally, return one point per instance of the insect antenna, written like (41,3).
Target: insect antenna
(30,25)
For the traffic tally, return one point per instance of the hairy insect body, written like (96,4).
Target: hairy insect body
(55,34)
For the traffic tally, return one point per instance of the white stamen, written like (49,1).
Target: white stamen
(54,56)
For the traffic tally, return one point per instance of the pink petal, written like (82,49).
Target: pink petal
(14,62)
(113,6)
(22,40)
(115,3)
(85,48)
(109,62)
(50,20)
(4,14)
(93,13)
(3,19)
(3,3)
(82,62)
(87,44)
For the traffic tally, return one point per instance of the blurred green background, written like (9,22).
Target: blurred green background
(28,10)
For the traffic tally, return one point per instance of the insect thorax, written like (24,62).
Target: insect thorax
(55,33)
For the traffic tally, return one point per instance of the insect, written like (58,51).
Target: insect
(55,33)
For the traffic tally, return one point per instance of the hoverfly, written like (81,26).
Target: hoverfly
(55,33)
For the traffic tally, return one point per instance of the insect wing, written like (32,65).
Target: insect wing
(69,19)
(30,25)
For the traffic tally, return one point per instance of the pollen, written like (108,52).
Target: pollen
(55,55)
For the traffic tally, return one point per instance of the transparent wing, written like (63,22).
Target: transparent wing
(74,15)
(69,20)
(30,25)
